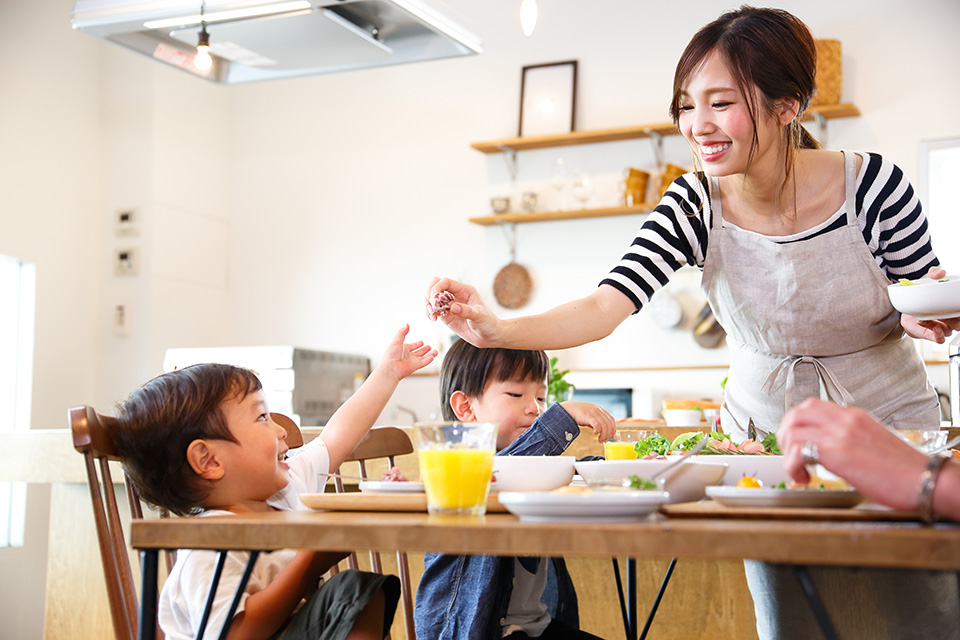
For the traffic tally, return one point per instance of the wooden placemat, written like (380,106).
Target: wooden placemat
(865,512)
(412,502)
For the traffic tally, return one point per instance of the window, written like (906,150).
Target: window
(17,287)
(939,168)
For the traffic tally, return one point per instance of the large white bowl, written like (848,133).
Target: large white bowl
(927,299)
(531,473)
(683,417)
(686,483)
(766,468)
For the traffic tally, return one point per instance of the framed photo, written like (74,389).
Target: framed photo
(548,98)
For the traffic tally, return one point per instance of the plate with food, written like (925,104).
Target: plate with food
(806,497)
(390,486)
(583,503)
(927,298)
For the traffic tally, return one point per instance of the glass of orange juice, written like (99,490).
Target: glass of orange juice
(456,462)
(621,445)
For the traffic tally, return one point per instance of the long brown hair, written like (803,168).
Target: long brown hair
(769,49)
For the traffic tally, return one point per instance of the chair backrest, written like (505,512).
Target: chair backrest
(385,442)
(92,437)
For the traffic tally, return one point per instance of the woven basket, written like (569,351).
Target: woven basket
(512,286)
(829,73)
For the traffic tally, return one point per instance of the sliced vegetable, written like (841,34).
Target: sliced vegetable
(749,482)
(636,482)
(905,283)
(686,441)
(655,443)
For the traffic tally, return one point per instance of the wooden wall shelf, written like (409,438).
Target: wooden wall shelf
(825,112)
(575,214)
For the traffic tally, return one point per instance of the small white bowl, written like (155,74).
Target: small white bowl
(683,417)
(531,473)
(686,483)
(765,468)
(927,299)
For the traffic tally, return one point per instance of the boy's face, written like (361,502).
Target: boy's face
(254,464)
(514,403)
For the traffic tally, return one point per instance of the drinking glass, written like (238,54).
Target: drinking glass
(456,462)
(583,188)
(621,445)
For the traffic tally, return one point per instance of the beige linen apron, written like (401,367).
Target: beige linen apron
(812,318)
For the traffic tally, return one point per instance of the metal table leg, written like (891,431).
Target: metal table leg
(221,560)
(623,605)
(656,603)
(816,604)
(148,594)
(632,595)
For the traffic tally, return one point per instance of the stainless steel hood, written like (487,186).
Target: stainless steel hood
(271,39)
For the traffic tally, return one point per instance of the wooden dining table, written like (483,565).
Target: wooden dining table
(860,541)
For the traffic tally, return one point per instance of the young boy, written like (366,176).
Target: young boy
(490,597)
(200,440)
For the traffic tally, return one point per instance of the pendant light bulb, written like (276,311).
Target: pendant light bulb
(528,16)
(202,60)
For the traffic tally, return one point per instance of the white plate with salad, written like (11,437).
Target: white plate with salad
(926,298)
(581,503)
(782,497)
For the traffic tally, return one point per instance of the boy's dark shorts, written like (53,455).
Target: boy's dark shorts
(329,613)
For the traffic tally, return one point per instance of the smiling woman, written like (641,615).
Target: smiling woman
(17,286)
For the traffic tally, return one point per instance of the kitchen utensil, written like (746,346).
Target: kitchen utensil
(634,186)
(949,445)
(664,473)
(707,332)
(512,285)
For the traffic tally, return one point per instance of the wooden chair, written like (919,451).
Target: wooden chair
(385,442)
(93,439)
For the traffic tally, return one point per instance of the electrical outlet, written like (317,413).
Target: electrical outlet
(126,262)
(121,321)
(127,222)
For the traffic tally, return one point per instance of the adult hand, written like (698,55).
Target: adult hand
(467,315)
(934,330)
(592,416)
(853,445)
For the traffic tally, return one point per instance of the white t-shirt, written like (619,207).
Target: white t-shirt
(526,612)
(185,590)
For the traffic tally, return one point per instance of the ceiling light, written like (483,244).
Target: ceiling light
(528,16)
(202,59)
(233,14)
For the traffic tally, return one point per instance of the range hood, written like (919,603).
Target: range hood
(272,39)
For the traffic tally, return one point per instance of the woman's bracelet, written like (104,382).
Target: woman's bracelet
(928,482)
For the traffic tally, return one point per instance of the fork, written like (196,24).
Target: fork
(683,458)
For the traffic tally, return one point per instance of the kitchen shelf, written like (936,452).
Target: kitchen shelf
(818,113)
(574,214)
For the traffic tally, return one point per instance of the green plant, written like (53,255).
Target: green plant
(558,389)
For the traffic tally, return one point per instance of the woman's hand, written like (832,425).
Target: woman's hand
(401,359)
(467,315)
(853,445)
(592,416)
(934,330)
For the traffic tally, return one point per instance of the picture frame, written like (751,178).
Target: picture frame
(548,98)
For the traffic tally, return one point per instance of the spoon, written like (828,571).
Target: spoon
(659,476)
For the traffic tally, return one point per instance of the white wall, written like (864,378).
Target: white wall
(313,211)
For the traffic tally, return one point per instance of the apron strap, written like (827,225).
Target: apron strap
(850,184)
(784,373)
(716,213)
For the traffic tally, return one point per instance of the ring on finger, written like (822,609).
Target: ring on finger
(810,453)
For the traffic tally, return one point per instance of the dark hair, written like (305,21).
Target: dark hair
(159,420)
(770,49)
(469,369)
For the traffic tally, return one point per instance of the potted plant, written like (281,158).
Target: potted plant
(558,389)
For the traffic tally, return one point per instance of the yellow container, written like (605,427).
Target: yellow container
(621,446)
(456,462)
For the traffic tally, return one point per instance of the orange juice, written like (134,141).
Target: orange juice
(456,480)
(616,450)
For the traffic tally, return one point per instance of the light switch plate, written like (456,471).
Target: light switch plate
(126,262)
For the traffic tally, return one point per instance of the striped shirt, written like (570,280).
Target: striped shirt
(677,231)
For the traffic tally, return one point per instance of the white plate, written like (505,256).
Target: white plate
(377,486)
(608,506)
(797,498)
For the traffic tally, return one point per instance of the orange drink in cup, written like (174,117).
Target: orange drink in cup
(456,462)
(621,445)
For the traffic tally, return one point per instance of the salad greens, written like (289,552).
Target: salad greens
(652,444)
(769,443)
(687,441)
(636,482)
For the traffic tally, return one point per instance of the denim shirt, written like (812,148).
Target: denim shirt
(466,597)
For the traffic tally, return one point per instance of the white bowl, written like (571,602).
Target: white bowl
(765,468)
(686,483)
(683,417)
(927,299)
(531,473)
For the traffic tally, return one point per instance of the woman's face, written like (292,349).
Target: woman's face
(715,120)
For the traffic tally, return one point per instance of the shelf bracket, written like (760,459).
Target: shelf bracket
(510,157)
(657,140)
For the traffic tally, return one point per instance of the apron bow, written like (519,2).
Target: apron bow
(785,374)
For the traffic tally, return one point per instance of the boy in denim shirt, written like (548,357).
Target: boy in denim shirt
(491,597)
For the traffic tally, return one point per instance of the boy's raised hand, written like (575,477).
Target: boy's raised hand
(401,359)
(590,415)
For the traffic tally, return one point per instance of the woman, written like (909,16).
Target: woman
(797,246)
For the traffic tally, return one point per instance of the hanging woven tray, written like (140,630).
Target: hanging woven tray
(512,286)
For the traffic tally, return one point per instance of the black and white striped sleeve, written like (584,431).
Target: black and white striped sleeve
(673,235)
(894,225)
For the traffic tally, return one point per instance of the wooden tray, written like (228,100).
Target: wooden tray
(866,512)
(413,502)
